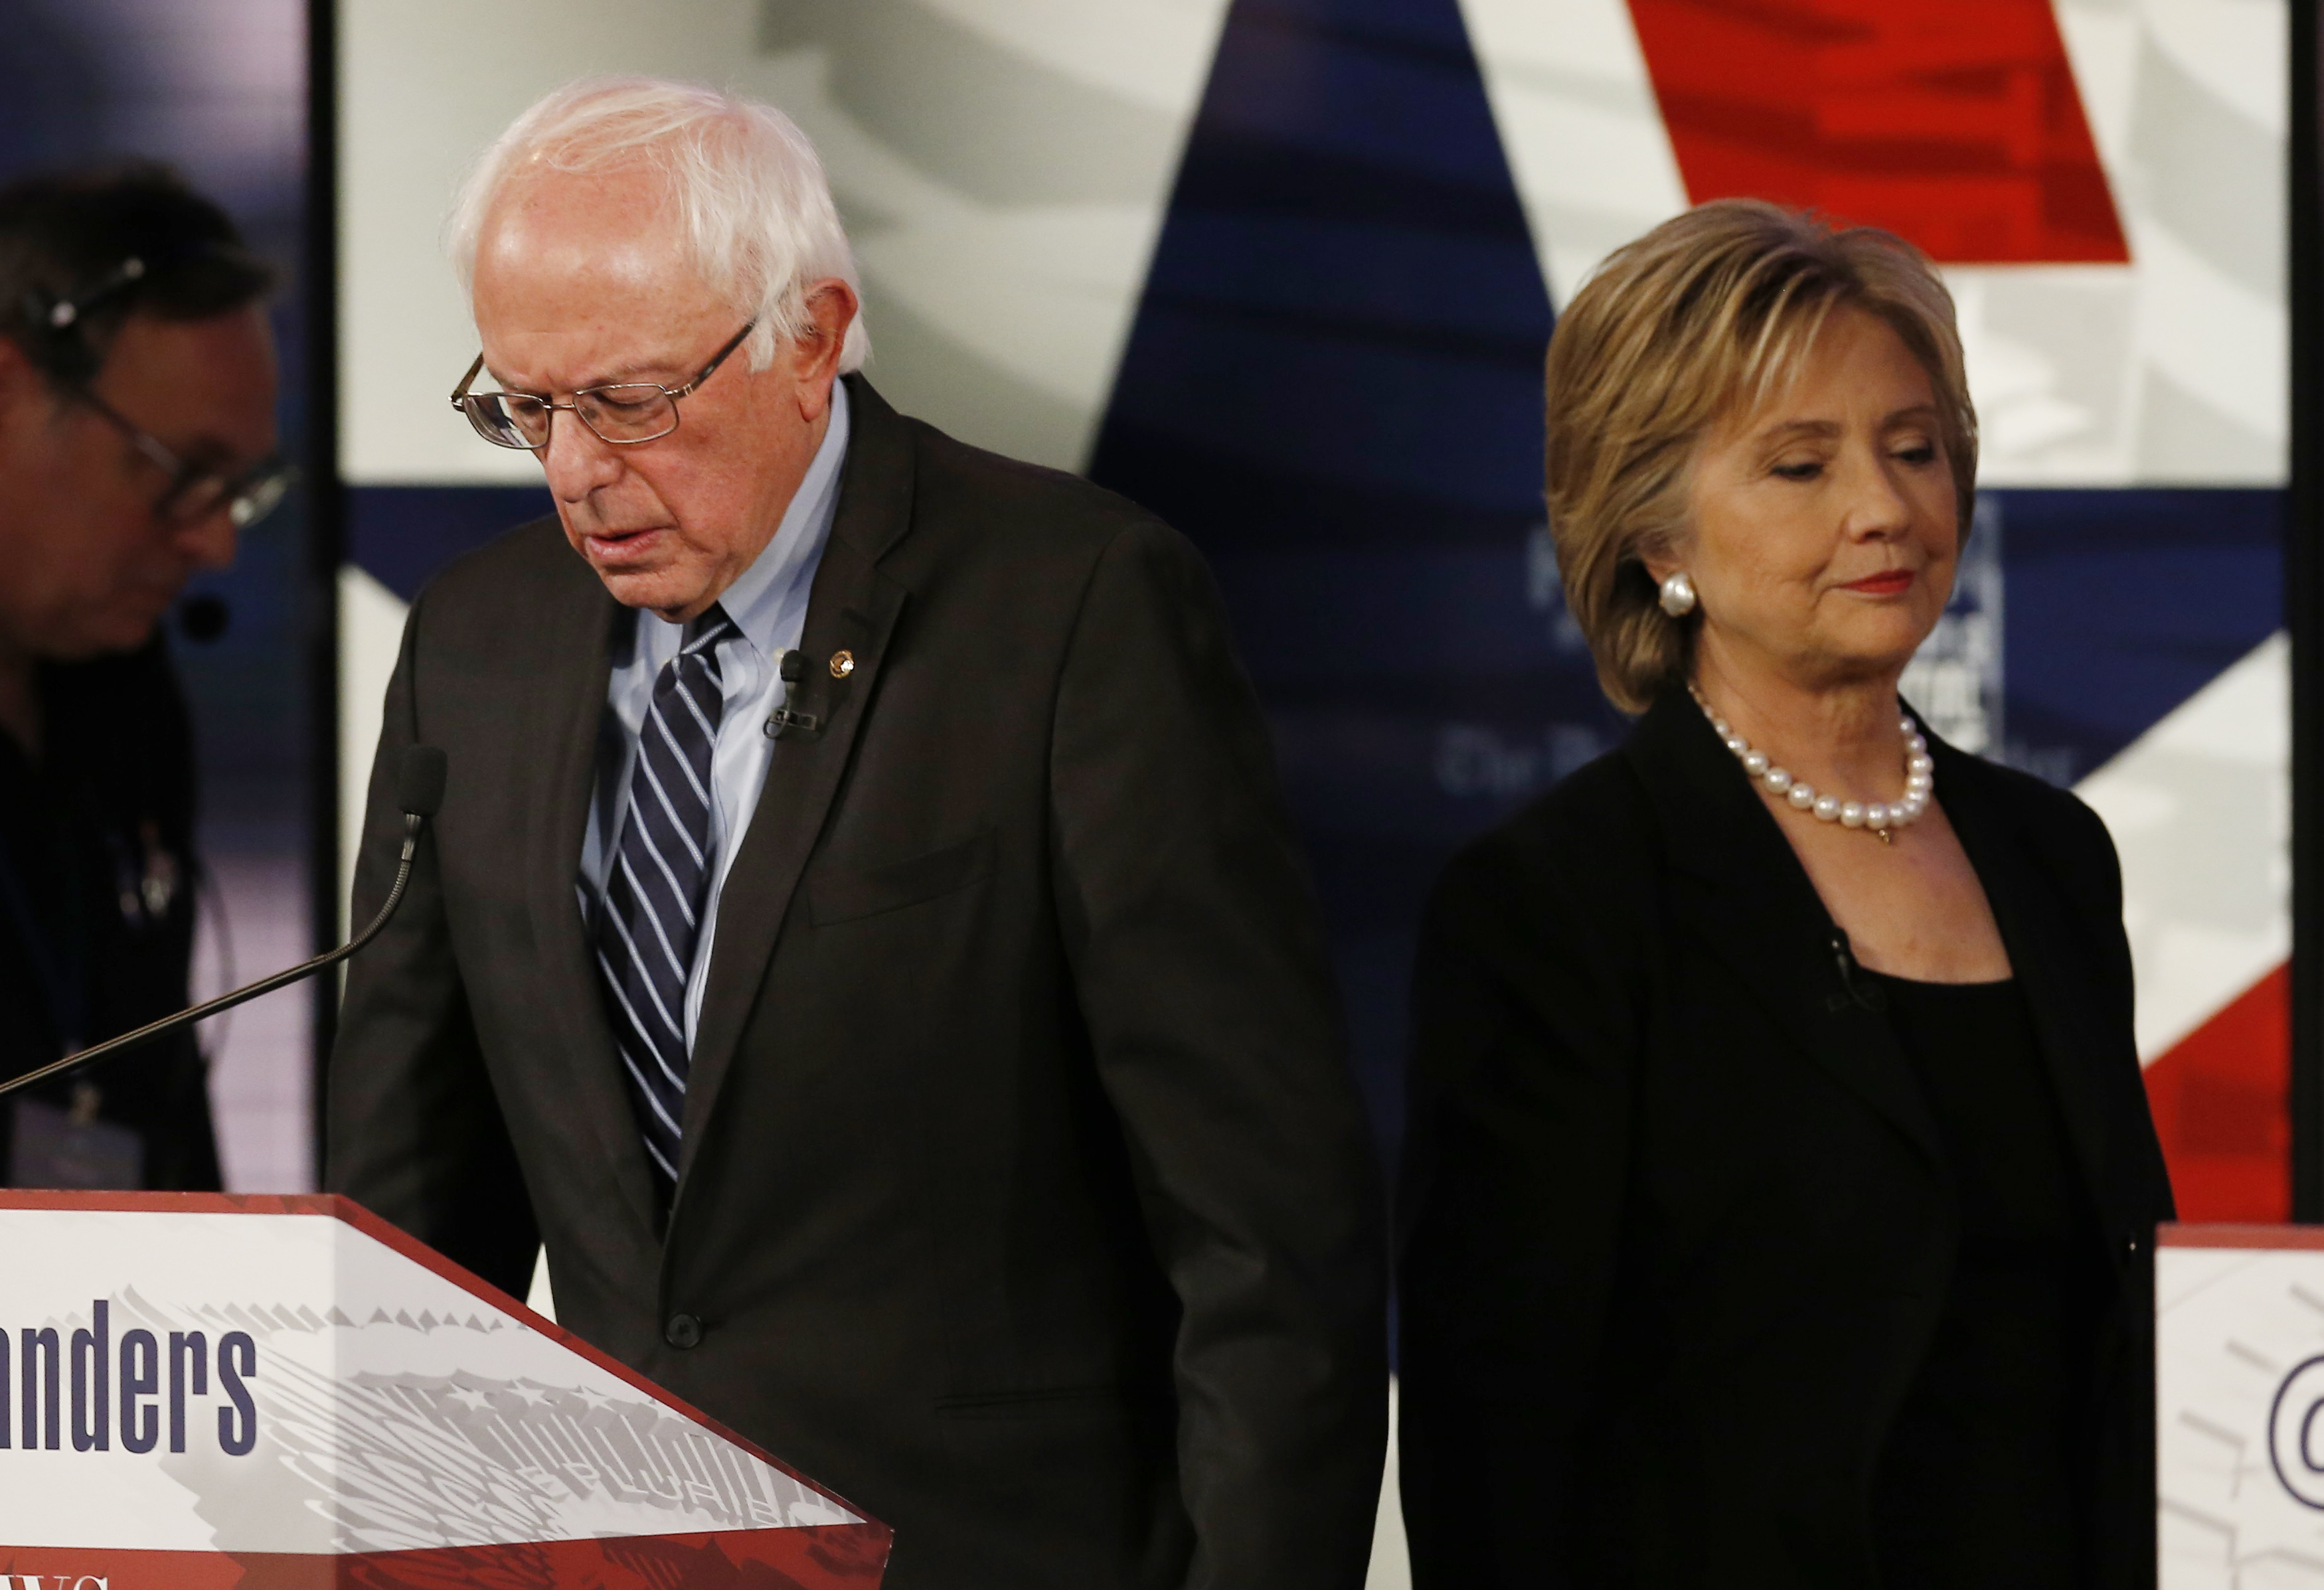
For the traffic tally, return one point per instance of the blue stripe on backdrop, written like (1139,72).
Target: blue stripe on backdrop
(2123,603)
(401,536)
(1333,386)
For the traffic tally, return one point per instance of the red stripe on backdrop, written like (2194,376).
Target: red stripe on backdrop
(2221,1105)
(1955,122)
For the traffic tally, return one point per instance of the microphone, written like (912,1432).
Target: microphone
(419,794)
(792,667)
(203,619)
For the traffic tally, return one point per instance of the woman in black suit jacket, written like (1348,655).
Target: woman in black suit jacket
(1780,1181)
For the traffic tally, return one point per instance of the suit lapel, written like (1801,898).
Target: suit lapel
(853,607)
(573,696)
(2037,934)
(1736,881)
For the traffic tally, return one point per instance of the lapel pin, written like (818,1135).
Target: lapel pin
(843,663)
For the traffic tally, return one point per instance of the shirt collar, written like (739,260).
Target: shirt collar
(768,592)
(767,602)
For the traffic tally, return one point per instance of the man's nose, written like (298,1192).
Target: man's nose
(578,460)
(207,542)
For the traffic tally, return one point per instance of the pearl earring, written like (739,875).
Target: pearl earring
(1678,594)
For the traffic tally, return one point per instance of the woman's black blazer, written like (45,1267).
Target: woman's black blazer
(1676,1227)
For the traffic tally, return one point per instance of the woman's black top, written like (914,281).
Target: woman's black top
(1718,1270)
(1978,1483)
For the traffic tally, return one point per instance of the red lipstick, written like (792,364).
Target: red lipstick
(1887,583)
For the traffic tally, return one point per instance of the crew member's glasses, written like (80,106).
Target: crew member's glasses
(197,490)
(624,413)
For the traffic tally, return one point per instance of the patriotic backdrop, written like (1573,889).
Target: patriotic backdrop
(1284,269)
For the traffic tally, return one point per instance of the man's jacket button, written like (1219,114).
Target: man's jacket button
(683,1330)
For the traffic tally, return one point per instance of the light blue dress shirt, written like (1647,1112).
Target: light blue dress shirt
(768,606)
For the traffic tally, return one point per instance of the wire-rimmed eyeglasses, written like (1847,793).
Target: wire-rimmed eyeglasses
(196,491)
(624,413)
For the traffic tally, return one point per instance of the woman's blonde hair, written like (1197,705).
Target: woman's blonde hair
(1709,313)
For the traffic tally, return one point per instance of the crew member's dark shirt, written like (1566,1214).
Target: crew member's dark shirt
(1979,1483)
(97,926)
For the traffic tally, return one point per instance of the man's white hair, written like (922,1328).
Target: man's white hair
(748,187)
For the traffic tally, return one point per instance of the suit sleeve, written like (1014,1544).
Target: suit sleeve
(1200,966)
(412,1130)
(1518,1148)
(2102,881)
(2077,852)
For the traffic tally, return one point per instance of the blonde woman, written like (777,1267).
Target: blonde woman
(1780,1179)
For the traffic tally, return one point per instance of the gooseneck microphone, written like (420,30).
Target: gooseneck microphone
(419,794)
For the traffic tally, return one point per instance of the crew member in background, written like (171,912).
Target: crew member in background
(137,381)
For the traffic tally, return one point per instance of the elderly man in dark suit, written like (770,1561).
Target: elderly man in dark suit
(862,940)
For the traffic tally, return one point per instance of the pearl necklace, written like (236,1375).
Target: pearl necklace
(1920,780)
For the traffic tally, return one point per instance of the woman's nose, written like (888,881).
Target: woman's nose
(1876,505)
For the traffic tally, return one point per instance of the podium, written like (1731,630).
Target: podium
(210,1392)
(2239,1405)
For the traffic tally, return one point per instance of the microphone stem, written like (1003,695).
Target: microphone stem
(185,1018)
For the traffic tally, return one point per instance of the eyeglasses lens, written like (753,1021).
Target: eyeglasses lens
(631,412)
(260,498)
(246,500)
(507,420)
(627,413)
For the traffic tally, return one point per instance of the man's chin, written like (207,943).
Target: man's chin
(661,590)
(109,635)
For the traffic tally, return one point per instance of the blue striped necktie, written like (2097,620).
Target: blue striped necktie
(649,915)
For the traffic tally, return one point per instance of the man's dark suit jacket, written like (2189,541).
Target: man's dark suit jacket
(1026,1201)
(1676,1223)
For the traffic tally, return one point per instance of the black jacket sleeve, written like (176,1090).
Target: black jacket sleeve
(1200,966)
(1527,1024)
(413,1132)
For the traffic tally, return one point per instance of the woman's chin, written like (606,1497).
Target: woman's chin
(1858,665)
(1880,646)
(1833,657)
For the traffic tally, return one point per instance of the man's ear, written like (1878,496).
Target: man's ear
(832,307)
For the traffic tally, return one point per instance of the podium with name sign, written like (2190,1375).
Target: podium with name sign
(211,1393)
(2239,1405)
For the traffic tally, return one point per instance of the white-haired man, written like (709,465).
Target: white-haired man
(862,939)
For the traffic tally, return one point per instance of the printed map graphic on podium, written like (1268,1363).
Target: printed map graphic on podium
(2239,1387)
(286,1394)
